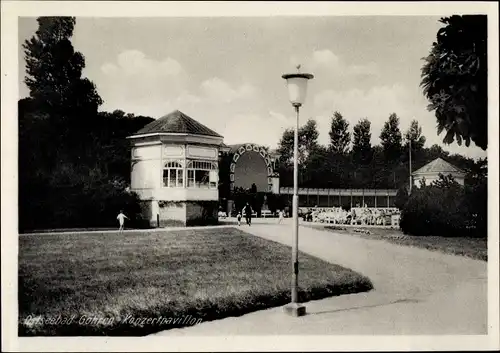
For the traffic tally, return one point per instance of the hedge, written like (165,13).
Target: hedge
(79,206)
(446,209)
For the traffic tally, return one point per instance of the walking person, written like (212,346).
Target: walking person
(239,218)
(281,216)
(121,220)
(248,214)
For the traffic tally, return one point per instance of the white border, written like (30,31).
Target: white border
(11,10)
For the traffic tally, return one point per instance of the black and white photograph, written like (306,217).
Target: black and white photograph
(256,173)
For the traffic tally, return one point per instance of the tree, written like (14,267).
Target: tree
(445,181)
(340,137)
(361,147)
(401,197)
(391,138)
(414,134)
(54,77)
(478,172)
(316,168)
(285,147)
(80,176)
(454,79)
(380,175)
(308,141)
(54,69)
(435,151)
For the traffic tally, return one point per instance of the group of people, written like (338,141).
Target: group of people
(247,212)
(357,215)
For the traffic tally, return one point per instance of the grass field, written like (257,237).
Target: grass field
(117,284)
(474,248)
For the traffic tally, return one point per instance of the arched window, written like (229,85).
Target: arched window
(202,174)
(173,175)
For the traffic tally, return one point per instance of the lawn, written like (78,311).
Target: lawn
(136,283)
(475,248)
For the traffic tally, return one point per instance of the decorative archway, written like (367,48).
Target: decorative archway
(265,156)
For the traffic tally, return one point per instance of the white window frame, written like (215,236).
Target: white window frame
(202,165)
(173,166)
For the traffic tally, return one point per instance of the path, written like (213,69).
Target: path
(416,292)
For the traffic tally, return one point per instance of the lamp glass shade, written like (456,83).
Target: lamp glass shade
(297,87)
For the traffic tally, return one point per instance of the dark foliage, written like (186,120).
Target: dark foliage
(74,163)
(362,151)
(322,167)
(455,79)
(58,189)
(391,139)
(401,198)
(446,209)
(340,137)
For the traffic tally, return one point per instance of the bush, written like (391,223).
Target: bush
(401,198)
(103,203)
(476,201)
(80,205)
(444,209)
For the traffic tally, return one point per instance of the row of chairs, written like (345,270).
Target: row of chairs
(359,216)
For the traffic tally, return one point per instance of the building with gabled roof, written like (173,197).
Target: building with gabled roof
(175,170)
(430,172)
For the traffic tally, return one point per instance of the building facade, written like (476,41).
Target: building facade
(175,171)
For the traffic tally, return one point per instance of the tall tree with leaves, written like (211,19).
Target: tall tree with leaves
(454,79)
(307,146)
(362,151)
(285,147)
(391,138)
(414,134)
(79,176)
(308,141)
(54,78)
(340,137)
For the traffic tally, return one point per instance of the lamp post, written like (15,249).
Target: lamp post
(297,89)
(409,152)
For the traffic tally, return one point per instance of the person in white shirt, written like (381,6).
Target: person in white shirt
(281,216)
(121,220)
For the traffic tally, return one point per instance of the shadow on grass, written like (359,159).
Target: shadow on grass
(206,312)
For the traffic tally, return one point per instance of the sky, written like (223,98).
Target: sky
(226,72)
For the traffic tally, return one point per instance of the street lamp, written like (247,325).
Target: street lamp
(297,89)
(409,152)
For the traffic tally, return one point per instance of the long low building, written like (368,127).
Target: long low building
(310,197)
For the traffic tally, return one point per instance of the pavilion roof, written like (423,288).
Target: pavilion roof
(177,122)
(437,166)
